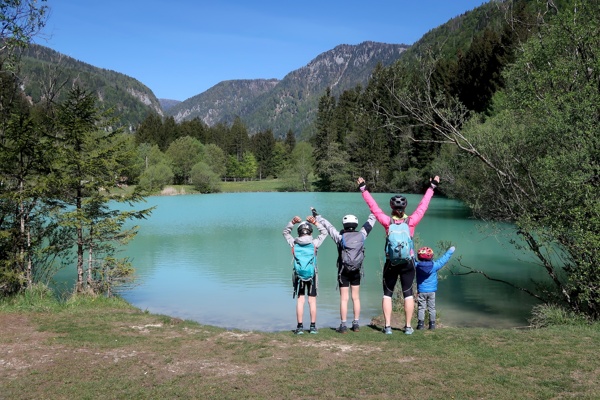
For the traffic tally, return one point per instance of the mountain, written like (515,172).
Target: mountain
(292,102)
(222,102)
(167,103)
(43,67)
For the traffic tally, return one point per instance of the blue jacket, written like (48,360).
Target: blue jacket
(427,277)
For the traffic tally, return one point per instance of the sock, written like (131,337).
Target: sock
(313,324)
(343,323)
(299,325)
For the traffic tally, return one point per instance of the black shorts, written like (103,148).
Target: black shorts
(305,287)
(347,278)
(406,272)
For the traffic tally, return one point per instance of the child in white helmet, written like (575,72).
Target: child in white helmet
(350,244)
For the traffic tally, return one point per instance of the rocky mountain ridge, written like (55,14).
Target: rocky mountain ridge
(290,103)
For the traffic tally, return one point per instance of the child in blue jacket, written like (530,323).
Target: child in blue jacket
(427,280)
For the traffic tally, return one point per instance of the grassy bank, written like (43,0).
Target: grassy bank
(263,185)
(105,348)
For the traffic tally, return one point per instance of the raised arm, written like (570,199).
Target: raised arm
(381,216)
(322,231)
(287,231)
(440,262)
(419,212)
(333,233)
(368,225)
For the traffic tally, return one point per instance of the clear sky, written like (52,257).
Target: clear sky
(181,48)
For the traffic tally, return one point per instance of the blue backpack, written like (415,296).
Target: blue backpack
(305,261)
(399,245)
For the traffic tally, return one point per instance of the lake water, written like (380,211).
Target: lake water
(220,259)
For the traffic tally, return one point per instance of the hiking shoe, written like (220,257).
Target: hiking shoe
(408,330)
(313,330)
(420,325)
(355,327)
(431,324)
(299,330)
(342,329)
(387,330)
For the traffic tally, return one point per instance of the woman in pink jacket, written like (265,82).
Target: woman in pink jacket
(406,271)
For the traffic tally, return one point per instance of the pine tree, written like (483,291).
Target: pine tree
(89,165)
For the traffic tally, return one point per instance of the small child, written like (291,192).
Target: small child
(305,246)
(427,280)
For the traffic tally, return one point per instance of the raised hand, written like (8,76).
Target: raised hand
(361,183)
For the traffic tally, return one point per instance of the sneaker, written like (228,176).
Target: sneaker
(313,330)
(420,325)
(299,330)
(408,330)
(342,329)
(387,330)
(355,327)
(431,324)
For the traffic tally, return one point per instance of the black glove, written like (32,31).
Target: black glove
(314,212)
(362,186)
(434,182)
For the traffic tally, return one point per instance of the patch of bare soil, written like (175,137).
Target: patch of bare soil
(22,346)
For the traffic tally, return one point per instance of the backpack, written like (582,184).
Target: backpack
(352,250)
(399,244)
(305,261)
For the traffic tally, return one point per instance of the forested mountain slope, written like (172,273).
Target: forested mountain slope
(45,72)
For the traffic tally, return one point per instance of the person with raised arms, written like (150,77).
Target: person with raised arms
(400,257)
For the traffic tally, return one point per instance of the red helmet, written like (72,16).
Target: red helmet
(425,253)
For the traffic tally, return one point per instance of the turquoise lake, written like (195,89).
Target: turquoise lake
(221,259)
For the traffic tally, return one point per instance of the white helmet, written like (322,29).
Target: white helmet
(350,221)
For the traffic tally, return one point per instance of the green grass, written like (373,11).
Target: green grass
(263,185)
(105,348)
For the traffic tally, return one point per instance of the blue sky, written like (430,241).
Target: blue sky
(181,48)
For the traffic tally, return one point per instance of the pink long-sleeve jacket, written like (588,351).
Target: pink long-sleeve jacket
(385,220)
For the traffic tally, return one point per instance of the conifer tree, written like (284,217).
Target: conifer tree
(89,164)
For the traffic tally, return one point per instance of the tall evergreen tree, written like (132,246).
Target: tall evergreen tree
(90,161)
(326,134)
(151,131)
(290,141)
(263,145)
(239,139)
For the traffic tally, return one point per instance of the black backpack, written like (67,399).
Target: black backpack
(352,250)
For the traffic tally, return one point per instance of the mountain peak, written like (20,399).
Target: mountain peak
(272,104)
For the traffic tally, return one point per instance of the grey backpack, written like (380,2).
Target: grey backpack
(352,250)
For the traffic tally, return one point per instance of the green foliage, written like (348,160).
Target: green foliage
(155,177)
(545,315)
(35,298)
(20,21)
(535,161)
(204,179)
(298,176)
(183,154)
(263,145)
(215,158)
(89,161)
